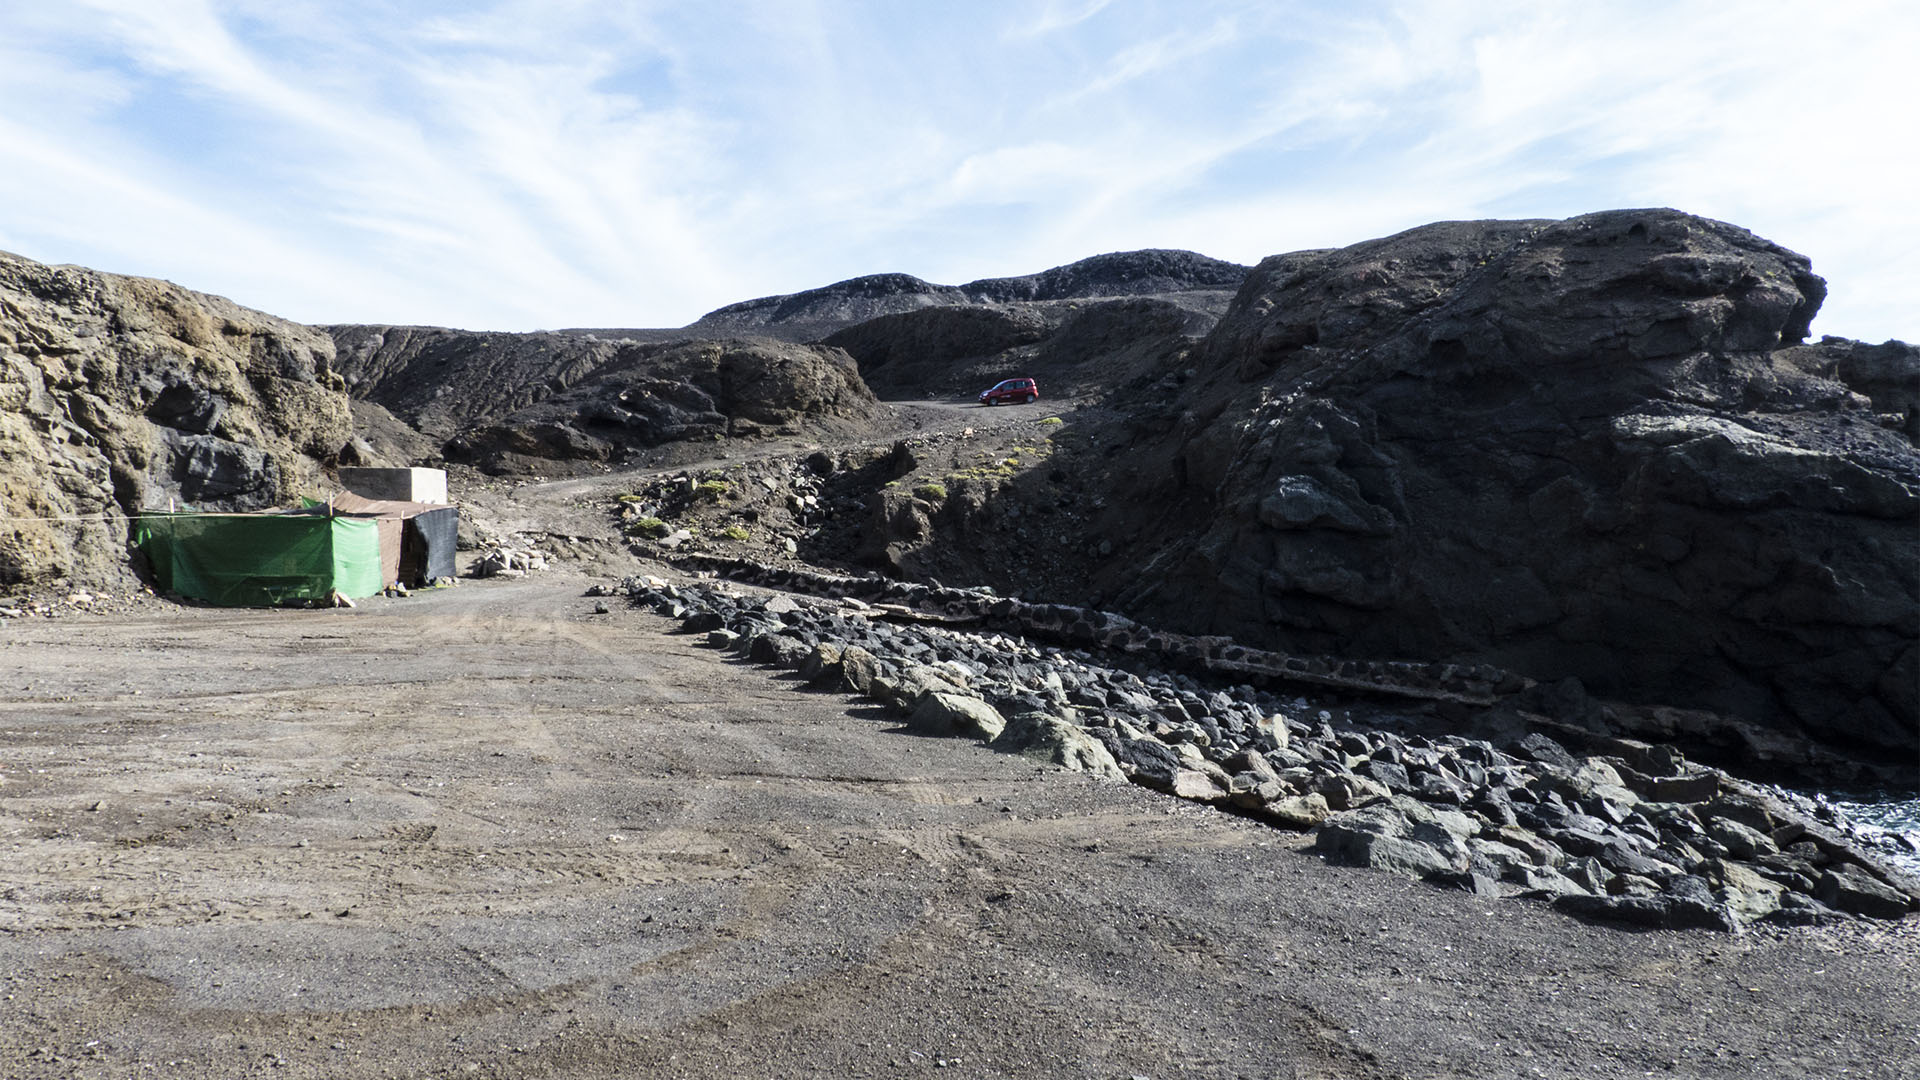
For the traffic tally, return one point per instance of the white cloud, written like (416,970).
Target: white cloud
(1057,16)
(583,163)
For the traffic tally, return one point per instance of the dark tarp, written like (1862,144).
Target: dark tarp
(438,533)
(429,533)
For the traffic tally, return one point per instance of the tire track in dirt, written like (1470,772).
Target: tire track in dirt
(570,845)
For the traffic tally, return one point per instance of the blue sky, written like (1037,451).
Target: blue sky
(533,164)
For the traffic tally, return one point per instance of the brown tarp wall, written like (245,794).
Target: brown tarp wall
(417,540)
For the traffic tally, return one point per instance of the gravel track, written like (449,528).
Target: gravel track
(483,831)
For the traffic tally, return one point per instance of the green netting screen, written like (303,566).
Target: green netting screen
(260,559)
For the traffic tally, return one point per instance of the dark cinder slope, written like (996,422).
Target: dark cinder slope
(816,313)
(701,390)
(445,381)
(476,386)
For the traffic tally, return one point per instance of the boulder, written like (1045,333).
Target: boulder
(1748,895)
(1662,911)
(941,712)
(822,665)
(1300,812)
(1852,889)
(1048,738)
(1383,836)
(903,690)
(858,669)
(778,650)
(1198,786)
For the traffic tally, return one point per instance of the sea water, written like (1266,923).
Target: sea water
(1888,822)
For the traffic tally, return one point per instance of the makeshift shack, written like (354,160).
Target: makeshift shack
(417,539)
(261,559)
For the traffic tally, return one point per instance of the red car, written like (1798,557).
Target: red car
(1011,392)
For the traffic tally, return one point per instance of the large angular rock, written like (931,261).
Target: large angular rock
(1850,888)
(1383,837)
(942,713)
(1748,895)
(1300,812)
(778,650)
(858,669)
(1663,911)
(904,690)
(1048,738)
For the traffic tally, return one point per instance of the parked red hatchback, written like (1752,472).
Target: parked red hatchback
(1011,392)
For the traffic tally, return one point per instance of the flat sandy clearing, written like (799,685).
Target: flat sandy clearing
(485,832)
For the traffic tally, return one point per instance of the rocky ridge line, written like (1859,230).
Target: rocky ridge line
(1637,835)
(813,313)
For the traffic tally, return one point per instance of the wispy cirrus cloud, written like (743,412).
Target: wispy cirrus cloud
(517,164)
(1059,15)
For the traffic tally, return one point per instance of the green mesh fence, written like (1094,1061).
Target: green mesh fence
(243,560)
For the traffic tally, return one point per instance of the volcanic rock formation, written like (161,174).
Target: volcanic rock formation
(120,393)
(696,390)
(1593,448)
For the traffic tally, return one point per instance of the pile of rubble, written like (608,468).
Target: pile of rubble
(506,560)
(1634,833)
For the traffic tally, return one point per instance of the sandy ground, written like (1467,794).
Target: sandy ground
(486,832)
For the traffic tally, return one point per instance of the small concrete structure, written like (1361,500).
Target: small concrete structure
(399,485)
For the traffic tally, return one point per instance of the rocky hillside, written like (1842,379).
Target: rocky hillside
(815,313)
(1594,449)
(506,401)
(120,393)
(443,382)
(1082,346)
(1599,452)
(645,397)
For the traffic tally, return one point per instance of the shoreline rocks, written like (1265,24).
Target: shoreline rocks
(1638,835)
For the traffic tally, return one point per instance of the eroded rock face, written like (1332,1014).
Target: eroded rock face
(119,393)
(909,352)
(1592,448)
(645,397)
(443,382)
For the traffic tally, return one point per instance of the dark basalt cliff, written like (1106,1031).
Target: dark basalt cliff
(120,393)
(1593,448)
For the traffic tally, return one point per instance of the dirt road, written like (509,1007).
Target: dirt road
(485,832)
